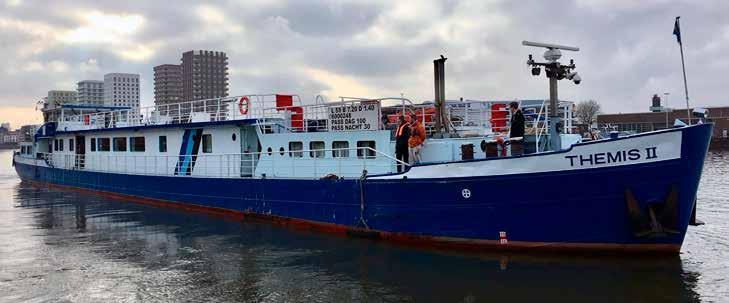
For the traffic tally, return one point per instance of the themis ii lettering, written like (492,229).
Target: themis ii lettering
(613,157)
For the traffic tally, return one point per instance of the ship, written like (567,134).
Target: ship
(330,166)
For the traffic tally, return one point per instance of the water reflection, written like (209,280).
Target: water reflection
(81,247)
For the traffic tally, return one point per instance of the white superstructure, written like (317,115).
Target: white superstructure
(273,136)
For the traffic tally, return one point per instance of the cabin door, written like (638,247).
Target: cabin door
(250,149)
(80,151)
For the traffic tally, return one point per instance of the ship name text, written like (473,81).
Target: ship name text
(613,157)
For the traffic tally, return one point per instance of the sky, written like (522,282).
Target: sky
(371,48)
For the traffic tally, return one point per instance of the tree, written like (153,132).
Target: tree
(587,111)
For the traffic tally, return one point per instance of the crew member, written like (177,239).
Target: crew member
(516,130)
(417,137)
(402,134)
(517,121)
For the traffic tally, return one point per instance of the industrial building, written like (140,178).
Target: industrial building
(661,117)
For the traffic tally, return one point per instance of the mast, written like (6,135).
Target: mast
(554,71)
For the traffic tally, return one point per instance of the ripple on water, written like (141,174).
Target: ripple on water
(61,246)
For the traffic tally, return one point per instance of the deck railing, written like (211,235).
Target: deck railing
(308,164)
(295,117)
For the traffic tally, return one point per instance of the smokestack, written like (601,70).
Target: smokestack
(439,71)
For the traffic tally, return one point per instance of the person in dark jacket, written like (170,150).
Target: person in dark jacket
(402,135)
(517,121)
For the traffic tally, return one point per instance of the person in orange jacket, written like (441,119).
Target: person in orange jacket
(416,140)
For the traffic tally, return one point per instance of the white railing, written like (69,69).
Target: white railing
(295,117)
(209,110)
(306,164)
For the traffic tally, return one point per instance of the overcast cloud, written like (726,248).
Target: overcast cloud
(371,48)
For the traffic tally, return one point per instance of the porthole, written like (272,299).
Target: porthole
(281,151)
(270,151)
(233,137)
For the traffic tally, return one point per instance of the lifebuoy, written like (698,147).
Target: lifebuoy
(243,105)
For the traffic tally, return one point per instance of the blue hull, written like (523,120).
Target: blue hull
(579,209)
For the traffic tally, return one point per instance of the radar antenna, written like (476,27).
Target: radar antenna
(554,71)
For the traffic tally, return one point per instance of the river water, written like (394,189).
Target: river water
(61,246)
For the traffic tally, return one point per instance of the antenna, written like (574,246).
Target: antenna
(550,46)
(555,71)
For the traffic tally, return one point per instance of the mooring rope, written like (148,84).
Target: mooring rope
(361,199)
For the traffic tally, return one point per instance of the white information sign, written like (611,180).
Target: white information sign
(357,117)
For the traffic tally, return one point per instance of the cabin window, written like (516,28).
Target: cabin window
(104,144)
(60,144)
(70,145)
(55,145)
(270,151)
(281,151)
(295,149)
(120,144)
(93,144)
(340,149)
(316,149)
(207,143)
(366,149)
(136,144)
(22,150)
(163,144)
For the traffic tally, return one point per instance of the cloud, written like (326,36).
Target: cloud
(89,66)
(373,48)
(100,27)
(13,3)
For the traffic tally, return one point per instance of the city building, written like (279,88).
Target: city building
(167,84)
(650,121)
(121,90)
(204,75)
(9,139)
(59,97)
(90,92)
(26,132)
(5,126)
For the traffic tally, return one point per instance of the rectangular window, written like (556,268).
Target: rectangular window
(93,144)
(120,144)
(104,144)
(55,145)
(340,149)
(295,149)
(70,145)
(163,144)
(366,149)
(136,144)
(207,143)
(60,144)
(316,149)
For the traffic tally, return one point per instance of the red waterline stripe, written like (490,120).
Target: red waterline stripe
(428,242)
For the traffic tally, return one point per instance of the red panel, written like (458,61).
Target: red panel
(284,101)
(498,117)
(297,118)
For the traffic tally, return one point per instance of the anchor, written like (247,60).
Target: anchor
(657,219)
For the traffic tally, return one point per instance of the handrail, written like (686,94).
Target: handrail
(304,163)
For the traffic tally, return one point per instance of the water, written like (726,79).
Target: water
(61,246)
